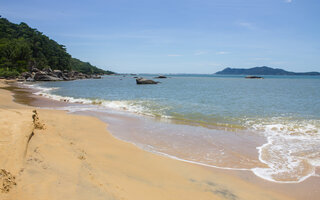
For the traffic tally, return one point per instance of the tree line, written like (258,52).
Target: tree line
(23,48)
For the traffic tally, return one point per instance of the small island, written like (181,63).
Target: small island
(263,71)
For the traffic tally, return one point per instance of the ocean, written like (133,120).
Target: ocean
(268,126)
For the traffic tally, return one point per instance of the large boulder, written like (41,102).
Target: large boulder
(43,76)
(52,74)
(69,75)
(58,73)
(79,75)
(47,69)
(145,81)
(96,76)
(34,69)
(26,75)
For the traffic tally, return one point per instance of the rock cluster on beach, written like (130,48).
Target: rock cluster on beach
(54,75)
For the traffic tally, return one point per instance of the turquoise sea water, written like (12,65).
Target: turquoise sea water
(284,110)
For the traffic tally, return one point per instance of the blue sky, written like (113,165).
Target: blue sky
(179,36)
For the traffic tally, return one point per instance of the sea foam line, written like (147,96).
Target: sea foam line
(287,141)
(113,104)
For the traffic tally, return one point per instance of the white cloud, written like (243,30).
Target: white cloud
(198,53)
(288,1)
(279,63)
(174,55)
(262,59)
(222,52)
(247,25)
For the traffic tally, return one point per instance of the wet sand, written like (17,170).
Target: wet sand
(75,157)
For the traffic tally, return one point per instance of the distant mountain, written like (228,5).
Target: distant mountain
(262,71)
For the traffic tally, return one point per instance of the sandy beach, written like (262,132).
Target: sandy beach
(49,154)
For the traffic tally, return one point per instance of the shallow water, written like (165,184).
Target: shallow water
(270,126)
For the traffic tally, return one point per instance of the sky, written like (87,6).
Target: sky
(179,36)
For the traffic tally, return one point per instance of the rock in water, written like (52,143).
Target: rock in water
(145,81)
(254,77)
(161,76)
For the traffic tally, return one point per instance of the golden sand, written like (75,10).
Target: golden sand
(49,154)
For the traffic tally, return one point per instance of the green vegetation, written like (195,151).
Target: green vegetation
(23,48)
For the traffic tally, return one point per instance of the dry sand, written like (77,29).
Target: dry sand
(49,154)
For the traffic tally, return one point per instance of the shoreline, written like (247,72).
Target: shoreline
(248,157)
(39,99)
(190,178)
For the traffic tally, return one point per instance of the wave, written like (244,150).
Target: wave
(143,107)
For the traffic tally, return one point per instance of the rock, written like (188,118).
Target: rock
(80,75)
(59,74)
(160,77)
(96,77)
(34,69)
(21,79)
(48,70)
(30,79)
(70,75)
(145,81)
(54,75)
(56,71)
(66,78)
(26,75)
(254,77)
(43,76)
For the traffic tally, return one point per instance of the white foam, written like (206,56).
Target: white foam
(292,150)
(130,106)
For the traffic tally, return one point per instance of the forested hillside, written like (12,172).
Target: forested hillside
(23,48)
